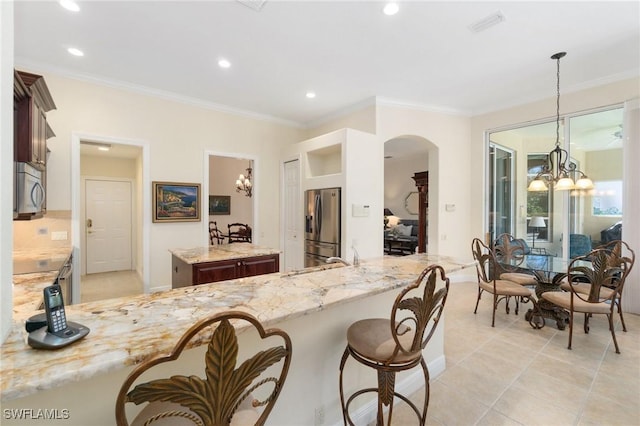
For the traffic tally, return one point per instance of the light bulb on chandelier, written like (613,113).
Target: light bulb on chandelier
(243,183)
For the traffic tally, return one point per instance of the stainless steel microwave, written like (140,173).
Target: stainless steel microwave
(30,193)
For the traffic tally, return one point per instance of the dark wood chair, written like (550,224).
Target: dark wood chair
(392,345)
(229,393)
(215,235)
(239,233)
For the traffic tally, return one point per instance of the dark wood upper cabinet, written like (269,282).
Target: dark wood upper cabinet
(32,100)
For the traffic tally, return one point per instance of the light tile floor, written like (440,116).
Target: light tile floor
(507,375)
(515,375)
(108,285)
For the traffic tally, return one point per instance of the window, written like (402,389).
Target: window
(607,198)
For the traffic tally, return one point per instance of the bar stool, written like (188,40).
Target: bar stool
(393,345)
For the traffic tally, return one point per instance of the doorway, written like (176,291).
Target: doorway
(222,170)
(403,158)
(108,224)
(109,170)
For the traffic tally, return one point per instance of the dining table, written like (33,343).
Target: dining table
(549,272)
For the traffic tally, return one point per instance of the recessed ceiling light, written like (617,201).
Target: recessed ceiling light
(223,63)
(311,95)
(391,8)
(75,52)
(70,5)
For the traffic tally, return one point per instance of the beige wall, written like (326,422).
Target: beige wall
(447,141)
(178,135)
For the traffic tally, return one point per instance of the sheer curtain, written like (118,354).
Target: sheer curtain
(630,223)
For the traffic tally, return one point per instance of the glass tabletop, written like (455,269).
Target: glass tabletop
(544,263)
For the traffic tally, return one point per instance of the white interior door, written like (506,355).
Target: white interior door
(108,225)
(293,237)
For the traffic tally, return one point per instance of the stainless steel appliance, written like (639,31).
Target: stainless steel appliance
(322,225)
(29,190)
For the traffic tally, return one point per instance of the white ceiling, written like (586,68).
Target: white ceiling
(346,52)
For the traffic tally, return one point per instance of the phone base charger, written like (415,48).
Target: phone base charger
(42,338)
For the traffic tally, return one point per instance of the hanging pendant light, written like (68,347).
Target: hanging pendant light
(243,183)
(559,170)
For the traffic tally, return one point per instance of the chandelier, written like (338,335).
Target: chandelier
(559,170)
(243,183)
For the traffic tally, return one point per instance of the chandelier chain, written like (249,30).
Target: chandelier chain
(558,102)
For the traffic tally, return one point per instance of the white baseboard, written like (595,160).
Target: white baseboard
(410,384)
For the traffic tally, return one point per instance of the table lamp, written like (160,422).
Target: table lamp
(536,223)
(386,213)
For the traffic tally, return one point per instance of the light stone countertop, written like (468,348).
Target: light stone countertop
(27,291)
(57,253)
(27,288)
(127,330)
(221,252)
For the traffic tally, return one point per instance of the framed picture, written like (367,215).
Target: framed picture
(219,204)
(176,202)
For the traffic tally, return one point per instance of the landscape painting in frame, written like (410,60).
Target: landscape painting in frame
(176,202)
(219,204)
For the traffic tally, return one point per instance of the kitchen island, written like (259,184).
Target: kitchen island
(221,262)
(315,308)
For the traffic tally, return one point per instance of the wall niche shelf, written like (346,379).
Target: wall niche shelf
(324,161)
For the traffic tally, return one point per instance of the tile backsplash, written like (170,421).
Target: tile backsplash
(51,231)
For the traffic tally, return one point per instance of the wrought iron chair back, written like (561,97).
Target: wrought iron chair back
(509,252)
(608,269)
(227,387)
(239,233)
(215,235)
(417,311)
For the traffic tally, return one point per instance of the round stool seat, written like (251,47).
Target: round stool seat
(372,339)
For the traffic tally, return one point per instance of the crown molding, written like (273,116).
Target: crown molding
(148,91)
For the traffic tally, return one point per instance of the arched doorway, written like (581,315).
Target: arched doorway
(408,160)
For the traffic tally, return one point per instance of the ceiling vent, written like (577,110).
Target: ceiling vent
(488,22)
(253,4)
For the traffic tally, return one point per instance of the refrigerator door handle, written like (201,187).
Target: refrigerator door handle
(318,208)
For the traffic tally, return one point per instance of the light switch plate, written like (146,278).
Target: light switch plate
(359,210)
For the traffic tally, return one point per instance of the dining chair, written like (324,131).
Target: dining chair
(392,345)
(605,277)
(617,247)
(215,235)
(230,394)
(510,253)
(489,280)
(239,233)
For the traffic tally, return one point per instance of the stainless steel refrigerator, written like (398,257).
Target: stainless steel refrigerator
(322,225)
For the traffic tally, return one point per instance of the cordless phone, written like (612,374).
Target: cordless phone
(54,309)
(57,332)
